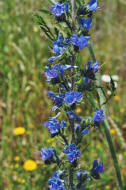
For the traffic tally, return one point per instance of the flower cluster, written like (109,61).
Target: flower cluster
(72,82)
(72,153)
(54,126)
(55,182)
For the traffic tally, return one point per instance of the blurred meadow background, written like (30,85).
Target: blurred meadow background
(24,104)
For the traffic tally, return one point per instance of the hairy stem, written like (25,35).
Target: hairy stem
(105,122)
(71,177)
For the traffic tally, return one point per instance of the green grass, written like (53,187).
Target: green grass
(23,101)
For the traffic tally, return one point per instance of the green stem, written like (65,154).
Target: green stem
(71,169)
(105,122)
(71,177)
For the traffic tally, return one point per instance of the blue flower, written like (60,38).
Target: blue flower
(57,99)
(63,124)
(85,131)
(72,153)
(94,67)
(93,5)
(59,9)
(86,23)
(87,81)
(54,58)
(48,154)
(54,126)
(72,97)
(77,127)
(55,182)
(81,41)
(58,46)
(56,71)
(97,168)
(98,116)
(74,116)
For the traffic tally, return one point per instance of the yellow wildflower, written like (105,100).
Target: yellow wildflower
(53,144)
(6,189)
(23,181)
(112,116)
(122,110)
(107,187)
(116,98)
(50,140)
(28,132)
(19,180)
(78,110)
(99,146)
(30,165)
(11,166)
(16,158)
(11,63)
(16,165)
(112,131)
(19,130)
(96,101)
(35,29)
(31,126)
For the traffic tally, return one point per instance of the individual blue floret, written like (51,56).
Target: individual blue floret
(72,97)
(97,169)
(59,9)
(85,23)
(48,154)
(93,5)
(54,126)
(98,116)
(81,41)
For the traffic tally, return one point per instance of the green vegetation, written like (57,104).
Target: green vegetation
(23,101)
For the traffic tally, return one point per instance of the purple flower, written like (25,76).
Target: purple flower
(72,153)
(97,168)
(55,182)
(59,9)
(86,23)
(93,5)
(72,97)
(48,154)
(54,126)
(98,116)
(81,41)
